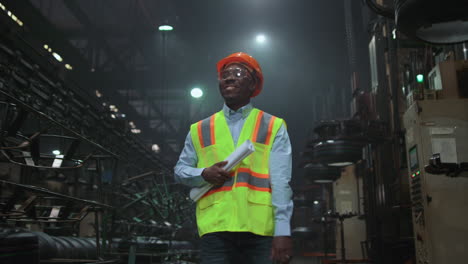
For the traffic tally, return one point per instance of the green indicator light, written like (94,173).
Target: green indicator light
(418,172)
(420,78)
(413,175)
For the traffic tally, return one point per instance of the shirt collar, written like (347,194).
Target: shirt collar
(245,110)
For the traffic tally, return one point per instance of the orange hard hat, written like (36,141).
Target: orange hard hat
(250,62)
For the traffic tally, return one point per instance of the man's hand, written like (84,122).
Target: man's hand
(281,249)
(215,174)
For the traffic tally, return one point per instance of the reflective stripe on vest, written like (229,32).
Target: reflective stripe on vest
(206,133)
(261,133)
(245,178)
(248,180)
(263,128)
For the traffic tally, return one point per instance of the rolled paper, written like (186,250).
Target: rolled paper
(233,160)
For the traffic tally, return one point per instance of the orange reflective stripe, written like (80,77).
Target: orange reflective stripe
(227,186)
(270,130)
(243,177)
(257,126)
(244,184)
(256,174)
(212,125)
(200,136)
(206,131)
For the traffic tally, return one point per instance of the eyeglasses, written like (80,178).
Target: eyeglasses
(236,72)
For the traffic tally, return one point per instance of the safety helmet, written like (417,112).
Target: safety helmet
(250,62)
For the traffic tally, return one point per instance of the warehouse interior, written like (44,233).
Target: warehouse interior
(97,98)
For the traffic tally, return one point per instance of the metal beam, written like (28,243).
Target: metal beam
(79,14)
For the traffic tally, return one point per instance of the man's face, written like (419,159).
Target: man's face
(236,84)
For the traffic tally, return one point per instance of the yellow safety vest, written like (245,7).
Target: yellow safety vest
(243,203)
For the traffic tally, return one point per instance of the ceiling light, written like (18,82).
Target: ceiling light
(196,92)
(316,202)
(135,131)
(56,152)
(260,38)
(155,148)
(57,56)
(165,28)
(68,67)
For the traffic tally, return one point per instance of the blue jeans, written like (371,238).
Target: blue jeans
(235,247)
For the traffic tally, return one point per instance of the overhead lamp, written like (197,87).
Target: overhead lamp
(68,67)
(155,148)
(57,56)
(316,202)
(260,38)
(56,152)
(135,131)
(11,15)
(165,28)
(46,47)
(196,92)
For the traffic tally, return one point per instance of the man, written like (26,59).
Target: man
(247,214)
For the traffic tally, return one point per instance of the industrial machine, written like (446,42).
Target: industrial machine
(438,189)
